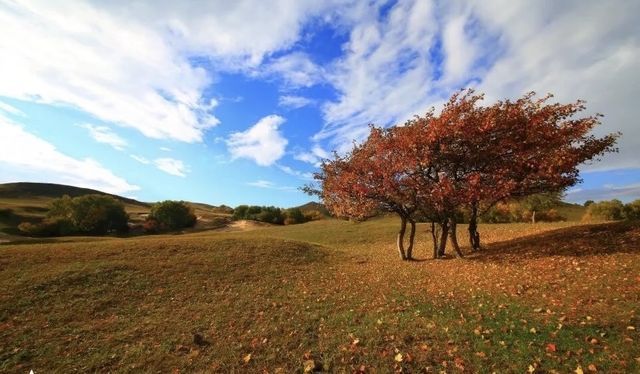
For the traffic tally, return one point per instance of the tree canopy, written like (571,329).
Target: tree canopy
(466,158)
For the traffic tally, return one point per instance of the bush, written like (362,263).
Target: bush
(88,214)
(588,202)
(172,215)
(294,216)
(48,227)
(270,214)
(611,210)
(151,226)
(632,210)
(98,214)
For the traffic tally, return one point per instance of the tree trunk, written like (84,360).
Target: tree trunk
(434,237)
(453,235)
(412,235)
(533,216)
(400,243)
(474,235)
(443,238)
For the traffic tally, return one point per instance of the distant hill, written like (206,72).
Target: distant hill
(29,202)
(313,206)
(26,190)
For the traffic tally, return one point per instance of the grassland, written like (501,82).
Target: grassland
(324,296)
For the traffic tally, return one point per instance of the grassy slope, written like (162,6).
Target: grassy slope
(28,202)
(328,291)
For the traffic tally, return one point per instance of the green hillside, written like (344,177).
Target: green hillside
(29,202)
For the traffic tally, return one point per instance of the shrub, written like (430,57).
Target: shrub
(294,216)
(632,210)
(48,227)
(151,226)
(588,202)
(98,214)
(173,215)
(611,210)
(88,214)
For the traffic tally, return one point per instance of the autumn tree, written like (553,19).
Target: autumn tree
(466,158)
(371,179)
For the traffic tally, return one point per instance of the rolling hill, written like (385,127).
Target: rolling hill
(28,202)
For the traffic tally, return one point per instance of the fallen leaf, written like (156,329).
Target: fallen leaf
(551,347)
(398,357)
(592,367)
(247,358)
(309,366)
(579,370)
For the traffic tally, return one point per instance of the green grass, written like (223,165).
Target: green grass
(330,292)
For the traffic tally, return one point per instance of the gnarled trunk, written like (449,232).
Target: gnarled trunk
(400,242)
(453,235)
(434,238)
(533,216)
(443,237)
(474,235)
(412,235)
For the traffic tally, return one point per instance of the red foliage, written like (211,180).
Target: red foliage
(467,157)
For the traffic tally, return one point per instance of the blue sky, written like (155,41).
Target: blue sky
(231,103)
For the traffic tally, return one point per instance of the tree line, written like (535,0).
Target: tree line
(271,214)
(96,214)
(461,162)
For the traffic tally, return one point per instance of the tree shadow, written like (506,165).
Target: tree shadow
(576,241)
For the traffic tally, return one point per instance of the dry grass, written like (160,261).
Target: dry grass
(326,294)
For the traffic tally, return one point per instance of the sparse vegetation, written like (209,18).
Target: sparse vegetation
(271,214)
(551,296)
(612,210)
(170,215)
(89,214)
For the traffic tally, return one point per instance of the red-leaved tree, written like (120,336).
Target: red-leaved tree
(463,160)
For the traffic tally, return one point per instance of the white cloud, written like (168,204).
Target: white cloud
(270,185)
(316,154)
(4,107)
(140,159)
(574,49)
(131,64)
(262,184)
(262,143)
(25,156)
(295,173)
(103,134)
(415,57)
(165,149)
(296,69)
(293,101)
(171,166)
(607,192)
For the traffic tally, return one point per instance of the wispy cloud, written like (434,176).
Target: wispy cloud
(606,192)
(294,102)
(262,142)
(105,135)
(25,156)
(131,65)
(270,185)
(4,107)
(295,69)
(314,156)
(295,173)
(140,159)
(171,166)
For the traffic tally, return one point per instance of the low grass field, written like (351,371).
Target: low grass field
(325,296)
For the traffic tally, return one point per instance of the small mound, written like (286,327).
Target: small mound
(243,225)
